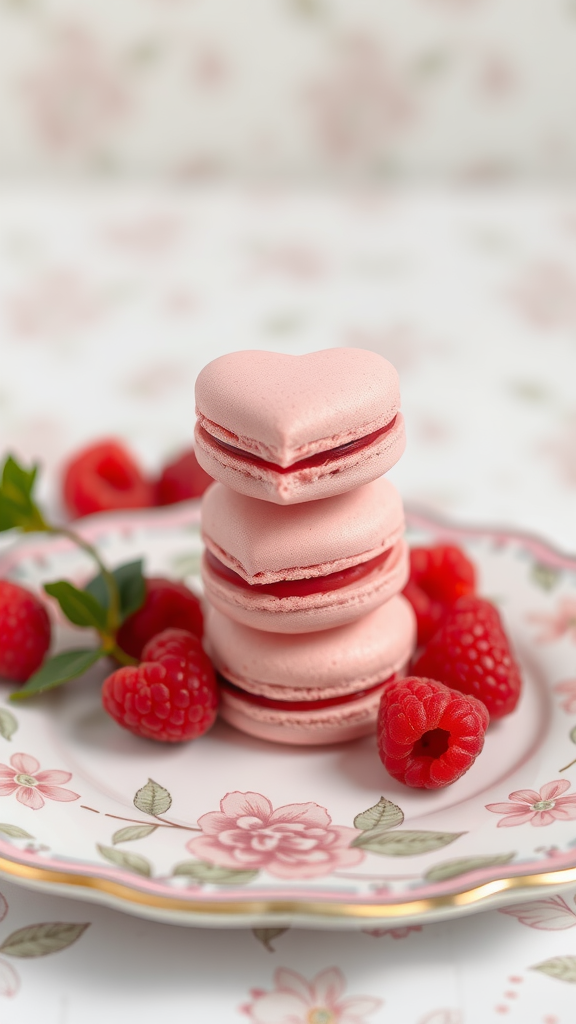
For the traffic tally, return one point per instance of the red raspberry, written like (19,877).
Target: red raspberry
(470,653)
(24,632)
(439,576)
(167,605)
(102,477)
(428,736)
(171,696)
(182,479)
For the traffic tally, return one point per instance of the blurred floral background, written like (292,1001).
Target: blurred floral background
(189,89)
(180,178)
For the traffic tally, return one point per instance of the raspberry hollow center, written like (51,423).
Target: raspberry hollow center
(433,743)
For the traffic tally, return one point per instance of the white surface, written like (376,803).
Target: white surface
(109,305)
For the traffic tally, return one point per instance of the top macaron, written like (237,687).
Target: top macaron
(294,428)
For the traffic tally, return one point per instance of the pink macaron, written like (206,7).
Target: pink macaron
(306,567)
(288,428)
(312,688)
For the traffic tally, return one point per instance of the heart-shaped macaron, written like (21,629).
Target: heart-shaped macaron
(293,428)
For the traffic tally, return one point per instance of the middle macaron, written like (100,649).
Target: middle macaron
(307,567)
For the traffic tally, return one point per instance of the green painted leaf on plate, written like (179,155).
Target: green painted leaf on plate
(131,832)
(41,939)
(573,734)
(561,967)
(15,832)
(382,815)
(403,844)
(153,798)
(203,872)
(266,935)
(125,859)
(462,865)
(8,723)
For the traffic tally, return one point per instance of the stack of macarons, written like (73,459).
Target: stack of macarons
(304,551)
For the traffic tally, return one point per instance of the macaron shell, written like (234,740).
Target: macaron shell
(287,407)
(258,480)
(313,612)
(303,728)
(314,665)
(261,541)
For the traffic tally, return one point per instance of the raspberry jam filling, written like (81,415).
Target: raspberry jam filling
(298,705)
(299,588)
(320,459)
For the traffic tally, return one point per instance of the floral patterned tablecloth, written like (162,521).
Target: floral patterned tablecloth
(110,302)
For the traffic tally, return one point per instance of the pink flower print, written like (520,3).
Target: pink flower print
(546,296)
(361,104)
(568,691)
(293,841)
(297,1001)
(32,786)
(78,93)
(9,980)
(537,808)
(555,626)
(58,303)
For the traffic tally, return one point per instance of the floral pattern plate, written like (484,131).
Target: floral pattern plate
(230,830)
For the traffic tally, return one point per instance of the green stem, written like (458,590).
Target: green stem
(116,652)
(567,766)
(113,595)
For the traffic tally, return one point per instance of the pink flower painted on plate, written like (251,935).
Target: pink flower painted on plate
(320,1001)
(543,808)
(567,690)
(556,626)
(9,980)
(293,841)
(33,787)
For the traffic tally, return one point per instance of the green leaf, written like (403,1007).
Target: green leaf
(125,859)
(41,939)
(462,865)
(202,872)
(131,832)
(561,967)
(382,815)
(16,505)
(15,832)
(8,723)
(131,588)
(403,844)
(544,576)
(78,606)
(265,936)
(57,670)
(153,799)
(573,734)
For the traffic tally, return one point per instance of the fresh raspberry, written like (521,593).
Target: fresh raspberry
(470,653)
(428,735)
(182,479)
(171,696)
(24,632)
(439,576)
(102,477)
(166,605)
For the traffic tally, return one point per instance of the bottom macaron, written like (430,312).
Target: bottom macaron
(310,688)
(310,723)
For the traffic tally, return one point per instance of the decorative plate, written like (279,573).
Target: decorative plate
(230,830)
